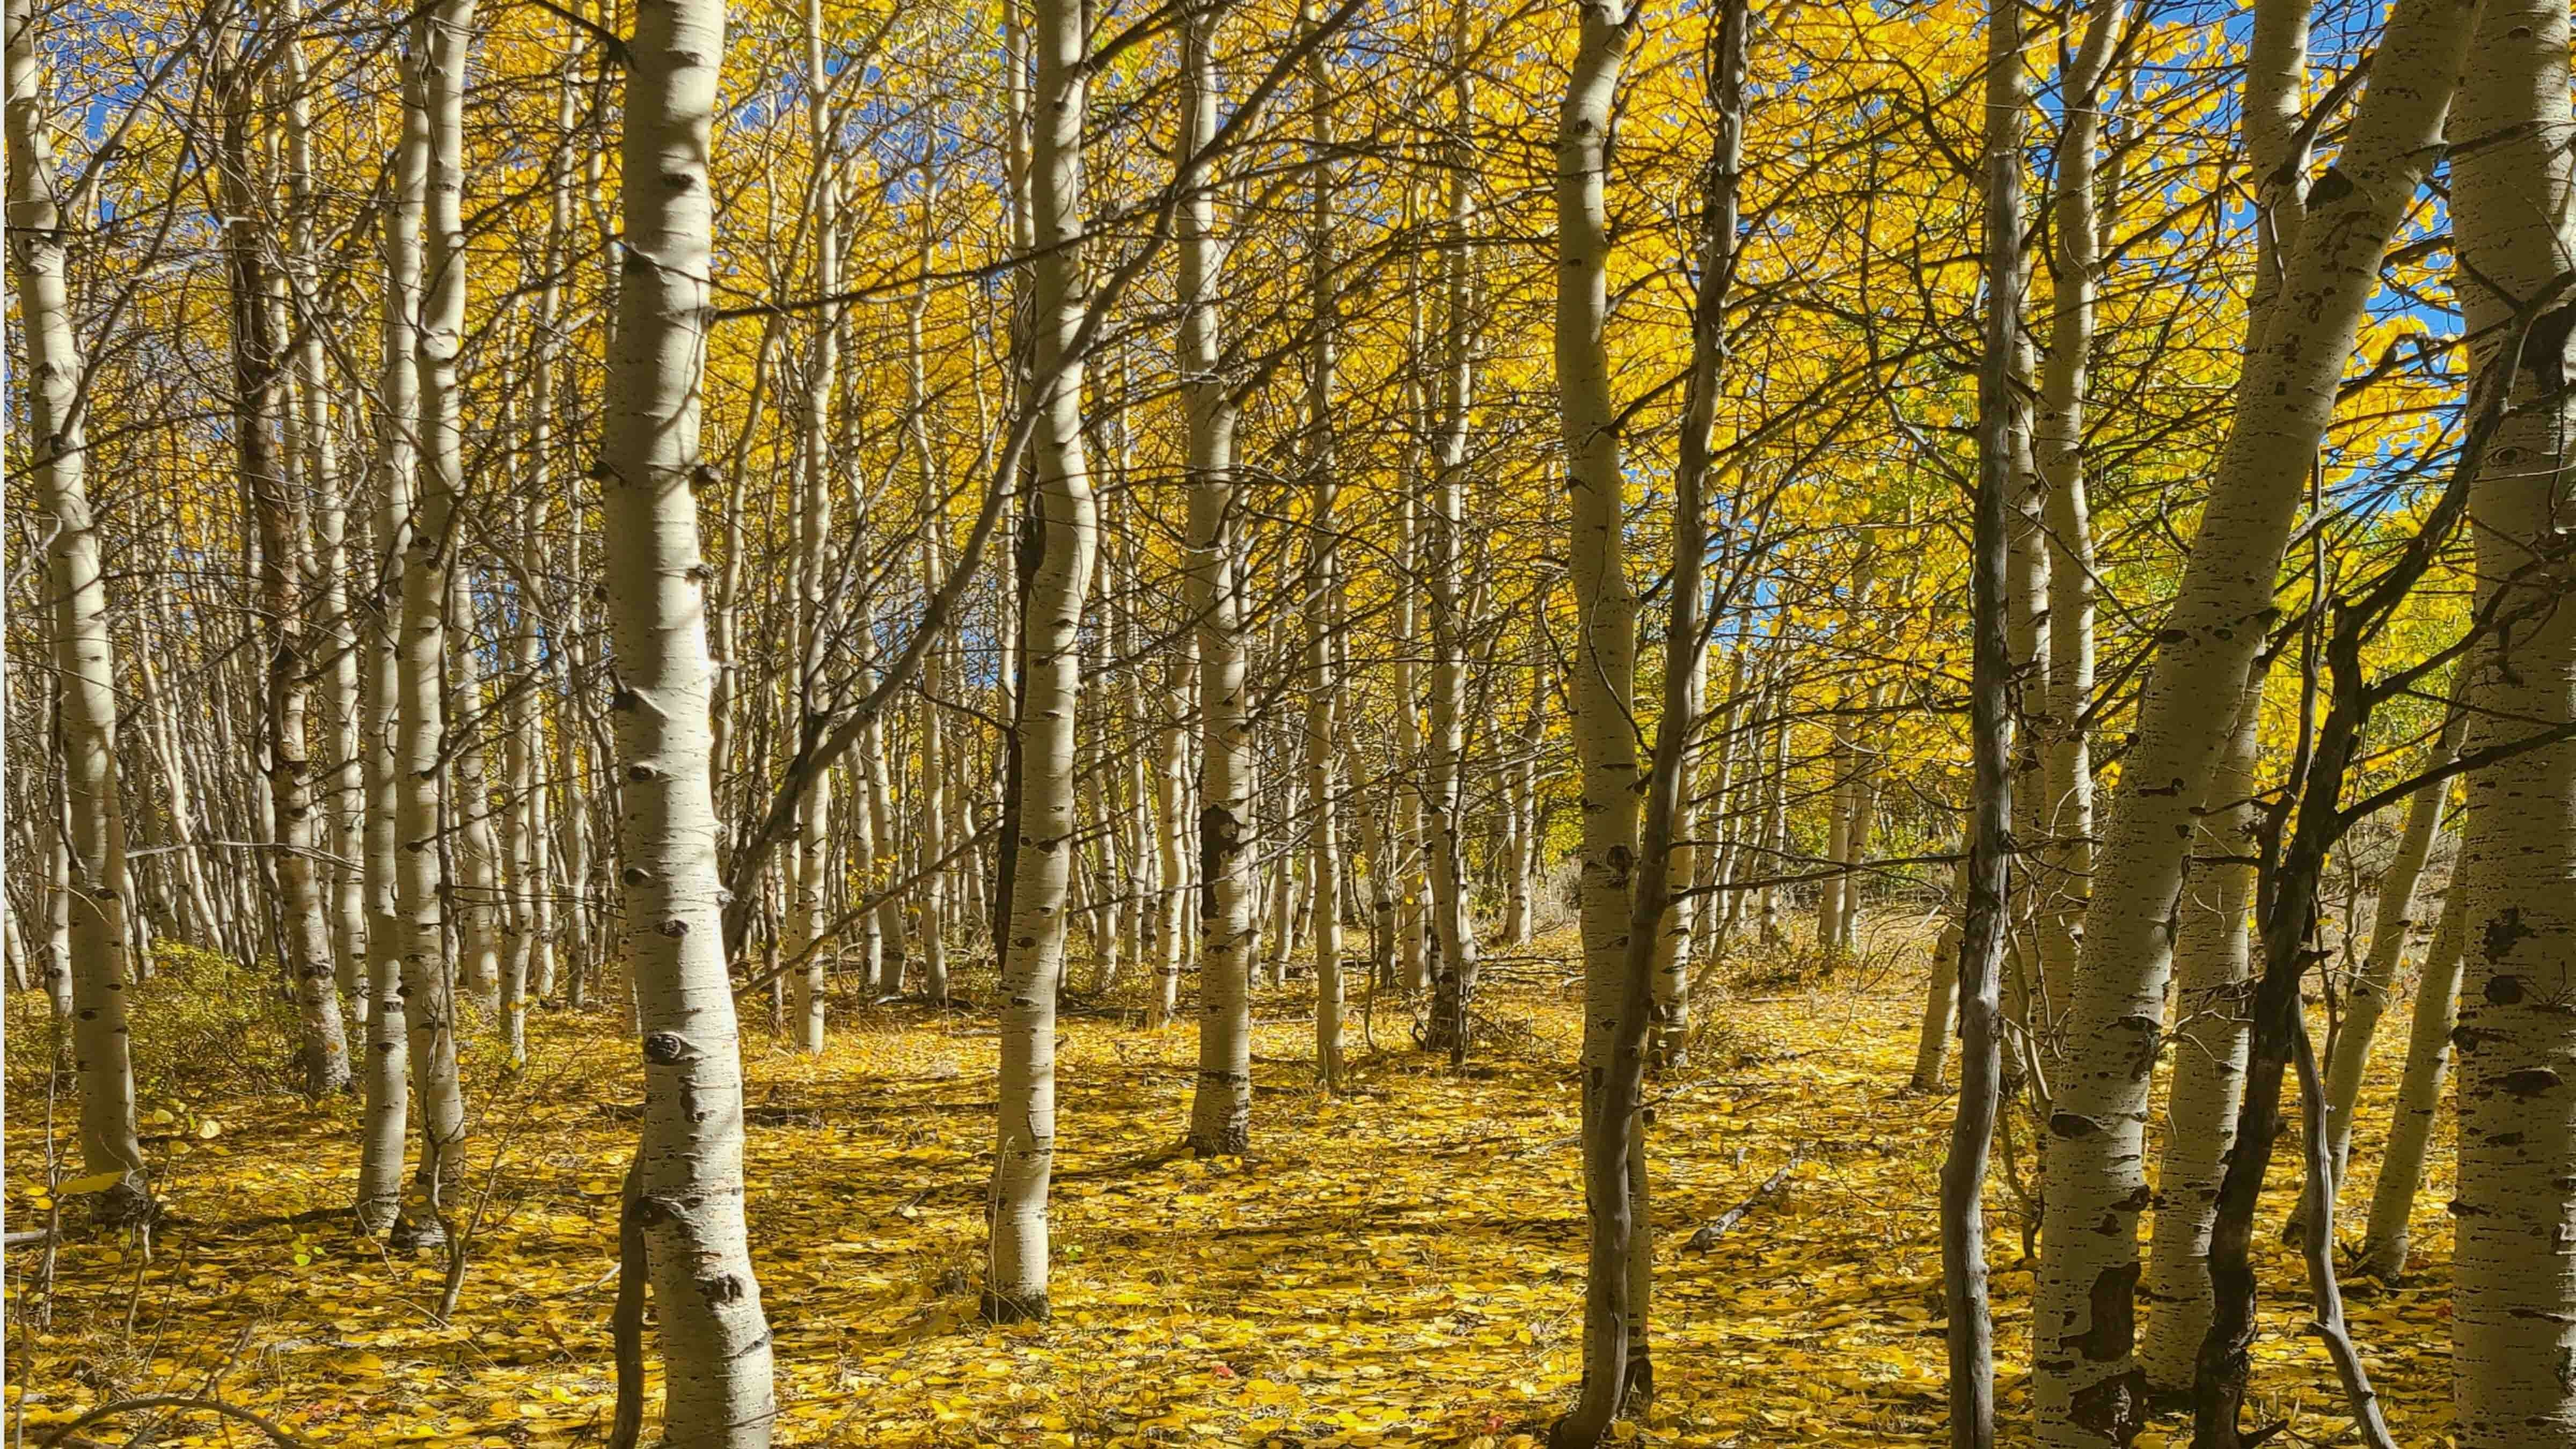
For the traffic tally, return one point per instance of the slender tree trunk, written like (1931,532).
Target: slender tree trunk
(1325,664)
(2387,1237)
(2000,419)
(2087,1379)
(2392,919)
(391,851)
(1941,996)
(806,902)
(1032,954)
(1604,674)
(2066,813)
(1453,982)
(2212,962)
(688,1159)
(259,385)
(90,947)
(1221,1105)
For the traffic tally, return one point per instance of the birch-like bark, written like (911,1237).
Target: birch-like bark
(1453,979)
(2387,1236)
(388,1055)
(259,388)
(2066,812)
(806,900)
(689,1185)
(2514,1320)
(1604,674)
(1325,663)
(2002,417)
(1050,626)
(317,460)
(2392,920)
(91,946)
(2213,962)
(1941,996)
(433,124)
(2083,1361)
(1221,1104)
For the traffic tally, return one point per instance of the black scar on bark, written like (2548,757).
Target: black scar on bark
(2115,1409)
(2504,933)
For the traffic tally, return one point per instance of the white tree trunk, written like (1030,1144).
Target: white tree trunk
(1221,1104)
(2387,1236)
(2514,1324)
(2212,953)
(1032,953)
(688,1160)
(91,945)
(2083,1360)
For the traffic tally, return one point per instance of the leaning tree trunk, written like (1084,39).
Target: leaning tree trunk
(2066,812)
(2387,1235)
(2083,1359)
(1032,952)
(1604,673)
(688,1181)
(2392,920)
(2515,1326)
(1221,1106)
(2212,961)
(93,948)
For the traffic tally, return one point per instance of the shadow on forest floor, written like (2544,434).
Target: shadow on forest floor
(1400,1264)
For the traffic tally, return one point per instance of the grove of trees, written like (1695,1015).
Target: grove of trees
(703,534)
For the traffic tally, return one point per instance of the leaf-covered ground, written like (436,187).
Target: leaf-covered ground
(1399,1265)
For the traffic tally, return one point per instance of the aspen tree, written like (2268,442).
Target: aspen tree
(1326,665)
(2001,419)
(2514,1318)
(259,386)
(2083,1359)
(1444,793)
(1221,1104)
(806,903)
(317,458)
(2212,962)
(1065,519)
(433,122)
(2392,918)
(2386,1235)
(395,791)
(2066,811)
(1604,672)
(90,942)
(688,1182)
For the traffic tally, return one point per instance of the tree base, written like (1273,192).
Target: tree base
(1023,1308)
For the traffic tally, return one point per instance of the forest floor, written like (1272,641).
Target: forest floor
(1398,1265)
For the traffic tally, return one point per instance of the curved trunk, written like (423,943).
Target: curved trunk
(2386,1237)
(1032,954)
(1604,675)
